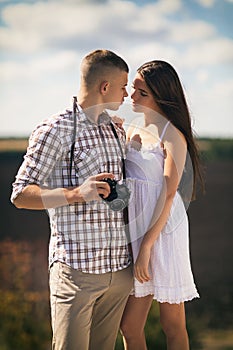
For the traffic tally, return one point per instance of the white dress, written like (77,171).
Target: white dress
(170,269)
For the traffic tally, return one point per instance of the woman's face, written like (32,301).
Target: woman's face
(142,97)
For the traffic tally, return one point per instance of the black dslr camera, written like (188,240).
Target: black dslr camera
(119,195)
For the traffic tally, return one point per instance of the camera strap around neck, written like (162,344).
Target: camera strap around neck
(125,210)
(74,115)
(119,145)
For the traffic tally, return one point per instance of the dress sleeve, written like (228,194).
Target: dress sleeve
(43,151)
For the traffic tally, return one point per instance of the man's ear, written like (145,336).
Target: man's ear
(104,87)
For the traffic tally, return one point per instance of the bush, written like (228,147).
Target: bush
(24,312)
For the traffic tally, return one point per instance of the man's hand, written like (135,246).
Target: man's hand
(118,121)
(92,188)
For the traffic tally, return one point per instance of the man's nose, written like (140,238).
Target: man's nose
(133,95)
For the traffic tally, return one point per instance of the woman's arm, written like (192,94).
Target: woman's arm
(175,147)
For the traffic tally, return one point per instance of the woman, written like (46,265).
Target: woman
(156,157)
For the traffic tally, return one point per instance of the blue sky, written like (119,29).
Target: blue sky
(43,42)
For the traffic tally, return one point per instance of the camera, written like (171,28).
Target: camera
(119,195)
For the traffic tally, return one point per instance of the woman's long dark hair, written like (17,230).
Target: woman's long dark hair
(163,81)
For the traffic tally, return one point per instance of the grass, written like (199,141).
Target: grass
(217,340)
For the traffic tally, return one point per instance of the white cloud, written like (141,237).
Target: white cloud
(206,3)
(192,31)
(29,104)
(212,108)
(209,52)
(31,27)
(146,52)
(210,3)
(168,6)
(38,67)
(202,75)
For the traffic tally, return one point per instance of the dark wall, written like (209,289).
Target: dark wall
(18,223)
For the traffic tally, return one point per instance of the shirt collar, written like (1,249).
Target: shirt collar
(104,117)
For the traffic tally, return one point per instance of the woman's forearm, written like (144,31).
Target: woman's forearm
(160,217)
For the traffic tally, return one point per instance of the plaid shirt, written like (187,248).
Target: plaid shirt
(86,236)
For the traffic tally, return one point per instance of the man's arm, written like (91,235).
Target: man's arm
(44,151)
(37,198)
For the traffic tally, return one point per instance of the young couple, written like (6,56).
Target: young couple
(92,289)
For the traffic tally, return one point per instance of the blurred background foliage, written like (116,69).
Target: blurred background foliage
(24,293)
(24,308)
(216,149)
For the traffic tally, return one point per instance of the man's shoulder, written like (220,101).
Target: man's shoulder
(55,130)
(61,119)
(59,124)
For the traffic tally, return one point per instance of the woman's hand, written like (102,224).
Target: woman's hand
(118,121)
(141,266)
(136,142)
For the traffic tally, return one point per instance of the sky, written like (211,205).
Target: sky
(42,44)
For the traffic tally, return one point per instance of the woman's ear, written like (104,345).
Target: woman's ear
(104,87)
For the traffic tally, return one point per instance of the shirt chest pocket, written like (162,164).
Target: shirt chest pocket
(86,163)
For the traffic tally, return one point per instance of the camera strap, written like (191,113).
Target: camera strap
(122,154)
(74,116)
(119,145)
(125,210)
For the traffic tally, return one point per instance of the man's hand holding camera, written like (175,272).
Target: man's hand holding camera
(102,186)
(91,189)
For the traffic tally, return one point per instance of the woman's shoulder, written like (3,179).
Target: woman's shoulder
(174,135)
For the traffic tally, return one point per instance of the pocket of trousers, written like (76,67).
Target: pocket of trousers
(62,284)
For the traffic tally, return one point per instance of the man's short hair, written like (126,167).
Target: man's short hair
(99,62)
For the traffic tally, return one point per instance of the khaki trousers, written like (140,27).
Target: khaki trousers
(86,309)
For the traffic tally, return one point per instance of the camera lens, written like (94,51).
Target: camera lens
(117,204)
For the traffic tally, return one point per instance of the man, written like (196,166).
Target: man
(68,157)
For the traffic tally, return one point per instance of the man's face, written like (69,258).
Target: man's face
(116,90)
